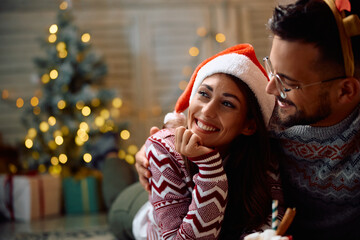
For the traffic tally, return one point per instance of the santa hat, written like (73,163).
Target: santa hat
(239,61)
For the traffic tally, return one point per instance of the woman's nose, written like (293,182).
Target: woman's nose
(209,109)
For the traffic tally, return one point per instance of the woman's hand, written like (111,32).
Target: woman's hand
(189,144)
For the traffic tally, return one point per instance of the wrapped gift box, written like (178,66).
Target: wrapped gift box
(25,197)
(81,194)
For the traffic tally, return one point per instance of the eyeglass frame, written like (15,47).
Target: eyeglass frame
(283,90)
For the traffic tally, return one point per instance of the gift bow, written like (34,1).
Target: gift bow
(348,27)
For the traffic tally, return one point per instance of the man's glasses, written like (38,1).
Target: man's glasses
(282,86)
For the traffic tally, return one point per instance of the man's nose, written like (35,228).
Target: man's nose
(271,86)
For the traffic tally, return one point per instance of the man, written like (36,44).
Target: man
(316,117)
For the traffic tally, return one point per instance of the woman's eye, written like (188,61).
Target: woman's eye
(228,104)
(203,93)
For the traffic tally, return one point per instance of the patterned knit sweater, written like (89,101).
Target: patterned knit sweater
(321,178)
(180,209)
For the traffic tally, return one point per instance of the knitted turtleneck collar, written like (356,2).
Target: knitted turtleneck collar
(307,132)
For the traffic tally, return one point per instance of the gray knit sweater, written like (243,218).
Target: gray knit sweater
(321,178)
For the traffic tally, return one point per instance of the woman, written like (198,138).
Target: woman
(214,173)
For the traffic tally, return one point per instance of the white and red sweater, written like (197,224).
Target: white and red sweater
(184,208)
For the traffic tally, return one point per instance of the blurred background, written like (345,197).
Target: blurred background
(82,78)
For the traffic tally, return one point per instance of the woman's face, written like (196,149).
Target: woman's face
(217,113)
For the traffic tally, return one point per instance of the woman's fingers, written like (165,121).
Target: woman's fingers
(179,132)
(188,143)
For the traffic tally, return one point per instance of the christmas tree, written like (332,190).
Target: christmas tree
(71,120)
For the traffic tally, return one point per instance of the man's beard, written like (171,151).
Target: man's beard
(299,117)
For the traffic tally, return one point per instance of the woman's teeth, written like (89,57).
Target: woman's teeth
(205,127)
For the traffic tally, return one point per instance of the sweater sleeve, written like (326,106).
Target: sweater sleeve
(181,212)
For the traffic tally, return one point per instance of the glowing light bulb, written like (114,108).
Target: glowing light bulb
(85,37)
(117,102)
(45,78)
(132,149)
(54,161)
(95,102)
(201,31)
(5,94)
(63,54)
(54,74)
(28,143)
(130,159)
(183,84)
(52,38)
(220,38)
(79,105)
(78,141)
(64,5)
(194,51)
(32,133)
(87,157)
(57,133)
(65,130)
(187,71)
(61,104)
(19,102)
(12,168)
(52,120)
(121,154)
(63,158)
(36,110)
(53,29)
(59,140)
(125,134)
(84,126)
(41,168)
(99,121)
(105,113)
(52,145)
(86,111)
(34,101)
(44,126)
(60,46)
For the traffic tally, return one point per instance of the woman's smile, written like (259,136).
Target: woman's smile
(206,127)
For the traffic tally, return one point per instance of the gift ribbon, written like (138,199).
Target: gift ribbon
(8,185)
(42,197)
(85,195)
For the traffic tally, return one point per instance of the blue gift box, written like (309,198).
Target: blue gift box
(80,195)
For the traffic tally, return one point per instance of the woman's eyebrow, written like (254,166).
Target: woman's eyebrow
(208,87)
(224,94)
(231,96)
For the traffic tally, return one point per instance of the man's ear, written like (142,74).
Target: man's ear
(250,128)
(349,90)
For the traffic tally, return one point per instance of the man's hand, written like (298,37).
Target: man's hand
(142,164)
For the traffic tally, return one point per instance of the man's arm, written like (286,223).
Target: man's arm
(142,164)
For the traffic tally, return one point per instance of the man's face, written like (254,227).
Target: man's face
(294,62)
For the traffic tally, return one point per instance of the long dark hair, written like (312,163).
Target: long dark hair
(249,198)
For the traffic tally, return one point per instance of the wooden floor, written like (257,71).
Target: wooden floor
(9,229)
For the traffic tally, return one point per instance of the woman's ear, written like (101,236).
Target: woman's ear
(250,128)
